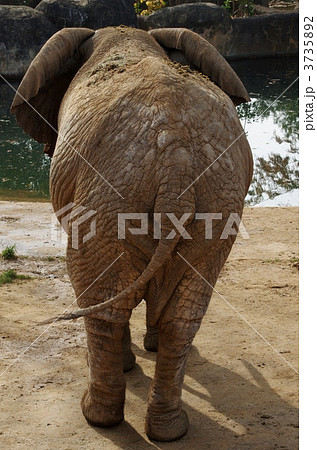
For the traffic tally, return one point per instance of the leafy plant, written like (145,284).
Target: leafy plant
(144,7)
(9,252)
(10,275)
(49,258)
(53,258)
(294,260)
(239,8)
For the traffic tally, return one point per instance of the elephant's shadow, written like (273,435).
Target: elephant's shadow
(254,413)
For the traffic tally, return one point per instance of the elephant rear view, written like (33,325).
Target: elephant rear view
(153,153)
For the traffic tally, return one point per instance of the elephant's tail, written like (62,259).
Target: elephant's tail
(161,255)
(166,246)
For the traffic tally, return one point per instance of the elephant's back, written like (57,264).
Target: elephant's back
(116,122)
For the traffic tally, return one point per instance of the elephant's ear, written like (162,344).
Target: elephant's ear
(37,100)
(202,55)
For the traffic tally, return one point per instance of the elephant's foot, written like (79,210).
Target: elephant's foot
(166,427)
(128,360)
(151,339)
(99,412)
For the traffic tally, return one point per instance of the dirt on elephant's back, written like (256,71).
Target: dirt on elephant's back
(239,391)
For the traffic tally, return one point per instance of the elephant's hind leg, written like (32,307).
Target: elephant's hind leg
(166,420)
(151,339)
(103,402)
(127,354)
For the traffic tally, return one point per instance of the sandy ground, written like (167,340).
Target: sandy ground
(241,387)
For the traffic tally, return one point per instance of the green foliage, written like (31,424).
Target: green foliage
(9,252)
(271,261)
(294,260)
(239,8)
(53,258)
(144,7)
(10,275)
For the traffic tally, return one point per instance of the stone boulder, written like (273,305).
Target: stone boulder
(103,13)
(216,2)
(207,19)
(262,2)
(31,3)
(89,13)
(181,2)
(191,15)
(64,13)
(267,35)
(23,31)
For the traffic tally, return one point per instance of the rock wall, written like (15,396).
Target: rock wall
(267,35)
(23,30)
(207,19)
(180,2)
(216,2)
(89,13)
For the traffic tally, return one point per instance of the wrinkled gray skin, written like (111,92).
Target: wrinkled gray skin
(148,128)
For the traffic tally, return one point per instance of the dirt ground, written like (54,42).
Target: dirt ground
(241,386)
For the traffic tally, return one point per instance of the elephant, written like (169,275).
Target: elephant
(137,135)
